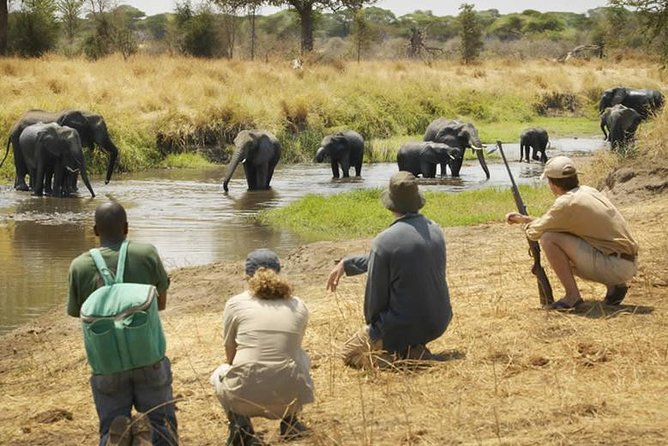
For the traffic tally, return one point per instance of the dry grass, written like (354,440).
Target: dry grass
(187,100)
(512,374)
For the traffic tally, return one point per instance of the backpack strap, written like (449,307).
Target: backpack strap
(120,266)
(101,265)
(104,270)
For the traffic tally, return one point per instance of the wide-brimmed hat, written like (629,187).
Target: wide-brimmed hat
(262,258)
(559,167)
(402,195)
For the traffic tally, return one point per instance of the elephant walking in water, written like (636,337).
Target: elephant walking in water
(535,138)
(52,149)
(421,158)
(259,152)
(91,128)
(622,123)
(459,135)
(345,149)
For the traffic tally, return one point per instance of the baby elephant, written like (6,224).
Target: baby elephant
(342,148)
(423,156)
(537,139)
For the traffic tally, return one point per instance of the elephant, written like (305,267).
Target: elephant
(645,102)
(345,149)
(535,138)
(259,151)
(622,123)
(421,157)
(52,148)
(91,128)
(459,135)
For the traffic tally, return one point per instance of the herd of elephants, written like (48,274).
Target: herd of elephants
(48,147)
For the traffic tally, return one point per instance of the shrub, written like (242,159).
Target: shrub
(33,30)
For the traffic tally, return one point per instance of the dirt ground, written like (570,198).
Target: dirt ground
(510,372)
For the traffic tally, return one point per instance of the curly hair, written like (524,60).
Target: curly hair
(267,284)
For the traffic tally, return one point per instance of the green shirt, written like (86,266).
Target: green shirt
(142,265)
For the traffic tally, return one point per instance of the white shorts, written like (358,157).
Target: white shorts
(591,264)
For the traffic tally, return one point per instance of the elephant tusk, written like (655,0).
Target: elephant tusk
(69,169)
(477,148)
(492,150)
(243,161)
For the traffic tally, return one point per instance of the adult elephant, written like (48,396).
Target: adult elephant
(622,123)
(645,102)
(459,135)
(259,151)
(91,128)
(421,157)
(535,138)
(342,148)
(50,147)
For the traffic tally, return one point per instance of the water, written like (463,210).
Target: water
(187,216)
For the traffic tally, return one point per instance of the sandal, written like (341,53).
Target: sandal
(562,305)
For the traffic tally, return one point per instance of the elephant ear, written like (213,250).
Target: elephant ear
(81,123)
(264,148)
(619,95)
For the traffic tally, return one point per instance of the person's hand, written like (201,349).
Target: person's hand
(516,217)
(334,276)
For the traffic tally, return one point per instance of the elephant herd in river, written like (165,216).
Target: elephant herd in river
(48,147)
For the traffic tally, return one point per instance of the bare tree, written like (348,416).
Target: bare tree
(69,12)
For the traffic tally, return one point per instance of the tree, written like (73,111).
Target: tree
(69,14)
(654,14)
(470,33)
(34,29)
(4,22)
(306,10)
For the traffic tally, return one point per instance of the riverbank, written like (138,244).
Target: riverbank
(158,107)
(511,373)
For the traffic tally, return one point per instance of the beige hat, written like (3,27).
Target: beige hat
(402,195)
(559,167)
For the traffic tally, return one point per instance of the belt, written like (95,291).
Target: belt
(629,257)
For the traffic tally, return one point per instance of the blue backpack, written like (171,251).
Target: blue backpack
(120,321)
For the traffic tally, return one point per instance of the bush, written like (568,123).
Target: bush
(33,31)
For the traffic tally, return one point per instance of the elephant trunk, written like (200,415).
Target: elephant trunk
(236,158)
(481,157)
(320,155)
(84,177)
(112,150)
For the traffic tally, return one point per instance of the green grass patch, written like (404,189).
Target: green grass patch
(359,214)
(185,161)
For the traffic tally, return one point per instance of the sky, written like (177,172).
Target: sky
(401,7)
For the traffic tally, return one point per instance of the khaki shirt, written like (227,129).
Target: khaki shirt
(588,214)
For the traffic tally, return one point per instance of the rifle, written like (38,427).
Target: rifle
(544,288)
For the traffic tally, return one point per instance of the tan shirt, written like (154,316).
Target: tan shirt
(270,373)
(588,214)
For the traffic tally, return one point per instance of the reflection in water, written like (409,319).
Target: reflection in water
(187,216)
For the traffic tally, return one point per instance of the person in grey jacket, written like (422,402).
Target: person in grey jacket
(406,301)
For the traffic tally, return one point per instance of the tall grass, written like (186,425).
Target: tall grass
(359,214)
(159,105)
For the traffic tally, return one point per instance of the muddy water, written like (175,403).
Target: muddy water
(186,215)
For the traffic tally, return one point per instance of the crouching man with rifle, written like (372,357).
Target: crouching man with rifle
(583,235)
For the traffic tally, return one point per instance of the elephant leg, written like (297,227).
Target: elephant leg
(535,151)
(251,176)
(345,165)
(21,169)
(521,152)
(262,175)
(335,168)
(444,170)
(48,178)
(427,169)
(358,169)
(38,180)
(58,178)
(456,165)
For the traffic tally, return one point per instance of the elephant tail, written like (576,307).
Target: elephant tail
(9,140)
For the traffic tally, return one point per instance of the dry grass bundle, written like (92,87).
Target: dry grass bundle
(510,372)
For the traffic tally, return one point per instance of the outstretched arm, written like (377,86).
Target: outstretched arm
(349,266)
